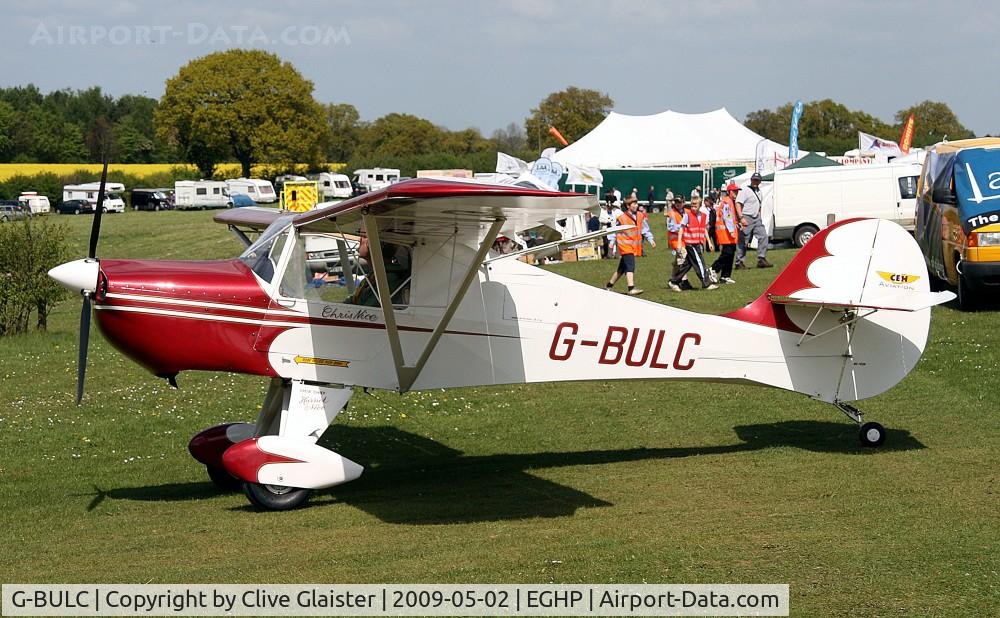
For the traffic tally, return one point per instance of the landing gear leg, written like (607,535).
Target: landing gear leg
(872,434)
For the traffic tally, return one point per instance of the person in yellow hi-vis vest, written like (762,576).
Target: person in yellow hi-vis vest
(630,244)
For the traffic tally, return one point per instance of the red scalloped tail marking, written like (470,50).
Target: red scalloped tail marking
(794,278)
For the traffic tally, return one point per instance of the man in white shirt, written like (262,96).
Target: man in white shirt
(749,203)
(608,218)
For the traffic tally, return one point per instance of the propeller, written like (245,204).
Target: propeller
(95,232)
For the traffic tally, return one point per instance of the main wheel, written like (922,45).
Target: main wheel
(872,435)
(804,234)
(222,479)
(156,208)
(275,497)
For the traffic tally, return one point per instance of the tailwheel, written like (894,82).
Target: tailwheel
(275,497)
(222,479)
(872,435)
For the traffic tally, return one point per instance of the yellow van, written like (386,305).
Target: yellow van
(958,217)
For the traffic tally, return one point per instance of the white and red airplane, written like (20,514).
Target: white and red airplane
(432,308)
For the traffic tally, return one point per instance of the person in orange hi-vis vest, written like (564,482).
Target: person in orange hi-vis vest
(676,221)
(630,244)
(727,234)
(693,235)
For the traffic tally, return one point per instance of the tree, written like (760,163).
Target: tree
(933,122)
(574,111)
(344,124)
(242,103)
(7,118)
(510,139)
(825,126)
(395,135)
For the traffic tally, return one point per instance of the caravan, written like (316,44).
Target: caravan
(201,194)
(375,178)
(260,191)
(808,199)
(87,192)
(36,204)
(334,187)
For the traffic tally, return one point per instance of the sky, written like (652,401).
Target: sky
(485,64)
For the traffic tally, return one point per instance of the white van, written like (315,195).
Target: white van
(376,178)
(808,199)
(333,187)
(87,192)
(201,194)
(37,204)
(260,191)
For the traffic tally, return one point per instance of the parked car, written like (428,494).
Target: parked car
(10,210)
(242,199)
(150,199)
(75,207)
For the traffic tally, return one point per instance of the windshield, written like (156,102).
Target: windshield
(262,256)
(159,196)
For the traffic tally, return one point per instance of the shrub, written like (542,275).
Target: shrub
(28,249)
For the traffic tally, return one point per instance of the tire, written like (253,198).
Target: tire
(156,208)
(4,219)
(804,234)
(967,300)
(222,479)
(275,497)
(76,212)
(872,435)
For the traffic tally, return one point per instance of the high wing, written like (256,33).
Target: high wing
(424,208)
(249,220)
(426,213)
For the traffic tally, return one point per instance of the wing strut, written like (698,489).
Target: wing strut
(407,375)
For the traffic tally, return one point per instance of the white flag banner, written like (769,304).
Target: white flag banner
(507,164)
(581,175)
(869,144)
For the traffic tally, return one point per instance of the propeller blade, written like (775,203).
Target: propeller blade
(81,368)
(95,230)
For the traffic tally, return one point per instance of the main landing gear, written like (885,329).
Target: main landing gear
(277,461)
(872,434)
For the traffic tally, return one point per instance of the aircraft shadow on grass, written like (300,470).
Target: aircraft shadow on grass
(410,479)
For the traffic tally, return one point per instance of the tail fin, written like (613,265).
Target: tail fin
(859,289)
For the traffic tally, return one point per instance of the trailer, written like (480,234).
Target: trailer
(260,191)
(190,194)
(334,187)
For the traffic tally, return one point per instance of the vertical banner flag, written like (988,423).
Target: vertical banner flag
(793,132)
(907,138)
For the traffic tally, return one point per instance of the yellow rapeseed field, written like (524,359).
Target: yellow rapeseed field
(225,170)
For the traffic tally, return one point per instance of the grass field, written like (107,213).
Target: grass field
(616,482)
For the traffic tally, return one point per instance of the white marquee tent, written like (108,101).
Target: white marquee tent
(669,139)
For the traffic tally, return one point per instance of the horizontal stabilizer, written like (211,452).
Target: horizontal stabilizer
(910,301)
(556,245)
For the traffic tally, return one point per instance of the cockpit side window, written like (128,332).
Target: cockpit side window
(315,271)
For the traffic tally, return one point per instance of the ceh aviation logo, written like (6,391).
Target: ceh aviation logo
(898,278)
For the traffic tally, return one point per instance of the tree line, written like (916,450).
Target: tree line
(251,107)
